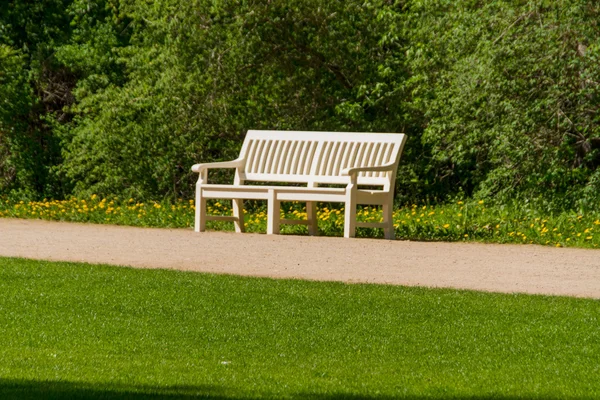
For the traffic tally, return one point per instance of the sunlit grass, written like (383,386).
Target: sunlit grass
(78,331)
(458,221)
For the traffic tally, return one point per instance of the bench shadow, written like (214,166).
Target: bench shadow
(30,389)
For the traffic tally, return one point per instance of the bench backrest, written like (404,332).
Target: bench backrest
(319,157)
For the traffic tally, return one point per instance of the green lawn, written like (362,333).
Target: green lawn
(72,330)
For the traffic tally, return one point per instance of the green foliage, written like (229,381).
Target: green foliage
(195,84)
(500,99)
(512,96)
(15,103)
(70,330)
(32,96)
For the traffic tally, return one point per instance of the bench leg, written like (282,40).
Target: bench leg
(238,212)
(274,208)
(350,213)
(388,231)
(311,216)
(350,220)
(200,215)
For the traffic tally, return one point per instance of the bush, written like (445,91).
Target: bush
(499,98)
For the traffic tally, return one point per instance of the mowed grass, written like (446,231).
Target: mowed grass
(72,330)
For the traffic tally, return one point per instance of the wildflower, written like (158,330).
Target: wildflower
(446,226)
(480,202)
(588,238)
(460,202)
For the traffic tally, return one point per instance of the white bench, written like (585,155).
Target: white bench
(310,158)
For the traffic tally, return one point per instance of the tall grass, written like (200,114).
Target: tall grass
(457,221)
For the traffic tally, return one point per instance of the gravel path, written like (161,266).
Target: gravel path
(496,268)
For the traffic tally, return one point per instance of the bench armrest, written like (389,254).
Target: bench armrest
(353,172)
(199,168)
